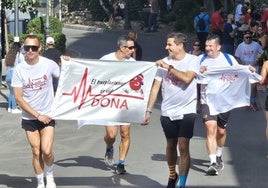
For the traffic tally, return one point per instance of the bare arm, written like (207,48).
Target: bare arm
(18,91)
(152,98)
(264,72)
(186,77)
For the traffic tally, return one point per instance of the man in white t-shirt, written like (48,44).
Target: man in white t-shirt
(176,78)
(32,83)
(215,124)
(247,53)
(124,51)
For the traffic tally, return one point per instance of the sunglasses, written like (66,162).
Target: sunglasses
(34,48)
(196,44)
(130,47)
(248,37)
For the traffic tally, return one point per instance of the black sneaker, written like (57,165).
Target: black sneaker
(220,163)
(120,169)
(172,182)
(212,170)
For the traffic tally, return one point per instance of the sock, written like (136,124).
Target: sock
(172,171)
(212,158)
(111,149)
(40,178)
(219,151)
(182,180)
(253,100)
(49,170)
(121,161)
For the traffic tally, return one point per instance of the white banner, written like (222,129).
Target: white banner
(100,92)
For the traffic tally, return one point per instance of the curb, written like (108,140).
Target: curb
(84,28)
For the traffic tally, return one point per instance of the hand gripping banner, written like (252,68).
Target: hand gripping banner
(99,92)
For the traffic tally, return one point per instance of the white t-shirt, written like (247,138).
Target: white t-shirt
(220,61)
(248,53)
(36,81)
(228,87)
(112,57)
(178,97)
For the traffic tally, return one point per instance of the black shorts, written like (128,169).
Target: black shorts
(178,128)
(221,119)
(266,103)
(33,125)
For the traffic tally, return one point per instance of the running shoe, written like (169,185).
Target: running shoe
(120,169)
(109,158)
(50,181)
(212,170)
(220,163)
(172,182)
(41,186)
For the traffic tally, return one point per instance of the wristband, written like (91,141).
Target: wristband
(170,67)
(148,112)
(38,116)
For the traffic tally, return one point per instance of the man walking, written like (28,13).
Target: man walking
(176,76)
(32,83)
(125,49)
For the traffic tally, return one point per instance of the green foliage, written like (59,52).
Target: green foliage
(184,17)
(134,7)
(23,4)
(38,25)
(98,14)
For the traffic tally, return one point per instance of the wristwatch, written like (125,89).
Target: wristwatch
(170,67)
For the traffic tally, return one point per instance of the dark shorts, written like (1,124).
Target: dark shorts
(221,119)
(266,103)
(33,125)
(178,128)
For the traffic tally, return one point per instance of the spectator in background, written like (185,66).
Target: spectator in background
(13,57)
(254,30)
(217,22)
(202,33)
(196,48)
(154,10)
(264,18)
(238,10)
(247,53)
(137,54)
(228,35)
(52,53)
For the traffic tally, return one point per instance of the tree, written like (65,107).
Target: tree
(23,4)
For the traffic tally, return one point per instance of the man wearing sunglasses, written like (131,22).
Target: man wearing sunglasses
(247,53)
(126,48)
(32,83)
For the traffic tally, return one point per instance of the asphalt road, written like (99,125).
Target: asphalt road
(79,152)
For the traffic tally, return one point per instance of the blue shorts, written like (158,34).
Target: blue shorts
(178,128)
(33,125)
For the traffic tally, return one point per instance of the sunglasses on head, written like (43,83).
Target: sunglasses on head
(33,48)
(130,47)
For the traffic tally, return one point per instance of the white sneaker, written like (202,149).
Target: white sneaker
(16,111)
(50,182)
(9,109)
(41,186)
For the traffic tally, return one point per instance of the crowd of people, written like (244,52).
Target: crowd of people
(179,78)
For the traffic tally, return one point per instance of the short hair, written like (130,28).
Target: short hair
(214,37)
(178,38)
(123,39)
(32,36)
(132,35)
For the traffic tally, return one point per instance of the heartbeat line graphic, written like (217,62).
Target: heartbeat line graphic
(86,91)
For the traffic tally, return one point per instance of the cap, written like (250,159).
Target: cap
(16,39)
(247,32)
(50,40)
